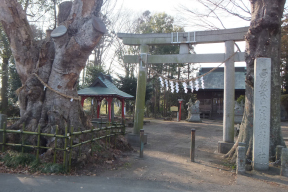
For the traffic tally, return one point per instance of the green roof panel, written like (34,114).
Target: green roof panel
(97,88)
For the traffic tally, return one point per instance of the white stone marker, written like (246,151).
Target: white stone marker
(261,121)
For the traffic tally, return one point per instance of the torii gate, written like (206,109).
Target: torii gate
(229,36)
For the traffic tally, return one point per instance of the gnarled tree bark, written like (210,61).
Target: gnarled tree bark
(262,40)
(57,62)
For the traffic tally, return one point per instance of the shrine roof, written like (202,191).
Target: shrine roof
(103,87)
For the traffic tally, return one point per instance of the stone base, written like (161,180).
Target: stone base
(224,147)
(195,117)
(134,140)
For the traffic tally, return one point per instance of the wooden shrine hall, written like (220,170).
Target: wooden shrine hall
(103,88)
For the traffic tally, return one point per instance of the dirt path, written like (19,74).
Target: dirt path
(166,167)
(166,159)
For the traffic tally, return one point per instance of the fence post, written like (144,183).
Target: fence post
(110,134)
(4,137)
(192,149)
(101,124)
(80,139)
(92,132)
(22,136)
(71,144)
(55,144)
(106,132)
(141,142)
(123,128)
(284,162)
(38,144)
(65,149)
(3,119)
(115,135)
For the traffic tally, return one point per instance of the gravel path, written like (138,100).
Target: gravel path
(167,159)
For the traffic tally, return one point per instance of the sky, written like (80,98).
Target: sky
(173,8)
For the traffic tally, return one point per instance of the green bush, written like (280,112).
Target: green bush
(14,159)
(240,99)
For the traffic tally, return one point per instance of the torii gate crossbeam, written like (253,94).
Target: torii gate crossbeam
(229,36)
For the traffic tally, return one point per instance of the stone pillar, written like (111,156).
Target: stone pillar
(229,94)
(278,153)
(261,121)
(3,119)
(241,160)
(141,91)
(284,162)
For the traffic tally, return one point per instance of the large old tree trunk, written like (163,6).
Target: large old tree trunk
(49,70)
(263,40)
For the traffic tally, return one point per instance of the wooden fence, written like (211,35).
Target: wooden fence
(107,131)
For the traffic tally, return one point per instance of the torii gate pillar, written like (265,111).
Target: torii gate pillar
(141,90)
(229,96)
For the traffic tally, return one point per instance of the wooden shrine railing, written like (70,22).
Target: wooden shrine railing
(103,132)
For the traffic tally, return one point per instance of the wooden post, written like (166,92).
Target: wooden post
(106,137)
(109,135)
(115,135)
(92,132)
(98,108)
(123,128)
(192,149)
(4,136)
(141,142)
(3,120)
(71,144)
(109,100)
(55,144)
(180,103)
(22,137)
(122,106)
(38,144)
(65,148)
(82,100)
(80,146)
